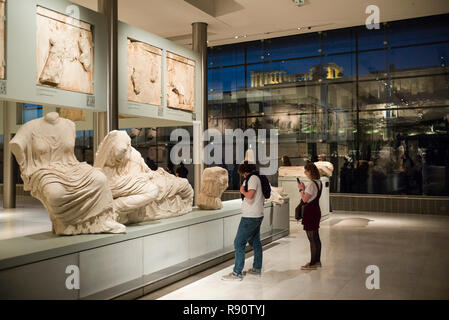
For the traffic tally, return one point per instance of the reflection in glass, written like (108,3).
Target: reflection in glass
(383,122)
(226,56)
(226,79)
(432,59)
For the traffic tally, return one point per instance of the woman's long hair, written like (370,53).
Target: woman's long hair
(314,172)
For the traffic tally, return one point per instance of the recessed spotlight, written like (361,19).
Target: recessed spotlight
(299,28)
(245,36)
(236,37)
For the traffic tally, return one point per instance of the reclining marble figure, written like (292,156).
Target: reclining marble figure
(325,168)
(76,195)
(213,184)
(139,193)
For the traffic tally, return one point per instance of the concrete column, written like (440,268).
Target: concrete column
(9,183)
(110,9)
(100,120)
(198,165)
(199,45)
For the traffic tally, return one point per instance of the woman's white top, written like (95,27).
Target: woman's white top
(312,189)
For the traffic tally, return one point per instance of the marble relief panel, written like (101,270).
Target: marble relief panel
(180,82)
(64,52)
(144,73)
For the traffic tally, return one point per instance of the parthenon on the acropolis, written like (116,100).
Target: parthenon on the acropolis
(263,78)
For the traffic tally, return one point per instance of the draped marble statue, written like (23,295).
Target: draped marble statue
(213,184)
(76,195)
(139,193)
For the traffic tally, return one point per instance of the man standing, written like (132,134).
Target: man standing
(249,228)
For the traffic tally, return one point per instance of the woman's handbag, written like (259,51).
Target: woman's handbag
(299,211)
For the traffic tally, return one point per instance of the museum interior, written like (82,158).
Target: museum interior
(168,99)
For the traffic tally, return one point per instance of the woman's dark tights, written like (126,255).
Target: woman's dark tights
(315,246)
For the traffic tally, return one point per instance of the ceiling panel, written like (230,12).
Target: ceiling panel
(231,20)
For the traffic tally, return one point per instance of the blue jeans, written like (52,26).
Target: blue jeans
(248,232)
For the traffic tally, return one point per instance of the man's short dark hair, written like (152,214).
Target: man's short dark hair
(247,167)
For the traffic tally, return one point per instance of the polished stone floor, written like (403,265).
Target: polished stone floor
(411,251)
(30,217)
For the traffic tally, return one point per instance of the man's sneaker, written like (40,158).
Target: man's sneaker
(318,265)
(254,272)
(232,277)
(309,267)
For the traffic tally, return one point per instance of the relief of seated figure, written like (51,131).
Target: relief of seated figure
(139,193)
(213,184)
(76,195)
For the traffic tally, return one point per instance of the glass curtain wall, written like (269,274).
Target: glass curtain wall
(375,103)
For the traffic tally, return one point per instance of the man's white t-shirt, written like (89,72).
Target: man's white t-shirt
(313,190)
(254,208)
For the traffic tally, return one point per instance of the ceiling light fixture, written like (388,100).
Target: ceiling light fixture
(298,2)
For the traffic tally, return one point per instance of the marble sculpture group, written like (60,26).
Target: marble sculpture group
(80,199)
(118,190)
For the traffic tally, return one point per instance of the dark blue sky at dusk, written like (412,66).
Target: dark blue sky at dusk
(426,41)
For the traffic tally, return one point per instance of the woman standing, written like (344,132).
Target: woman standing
(310,195)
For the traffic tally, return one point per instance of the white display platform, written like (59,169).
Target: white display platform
(291,189)
(149,256)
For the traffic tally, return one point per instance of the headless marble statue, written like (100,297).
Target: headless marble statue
(139,193)
(76,195)
(213,184)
